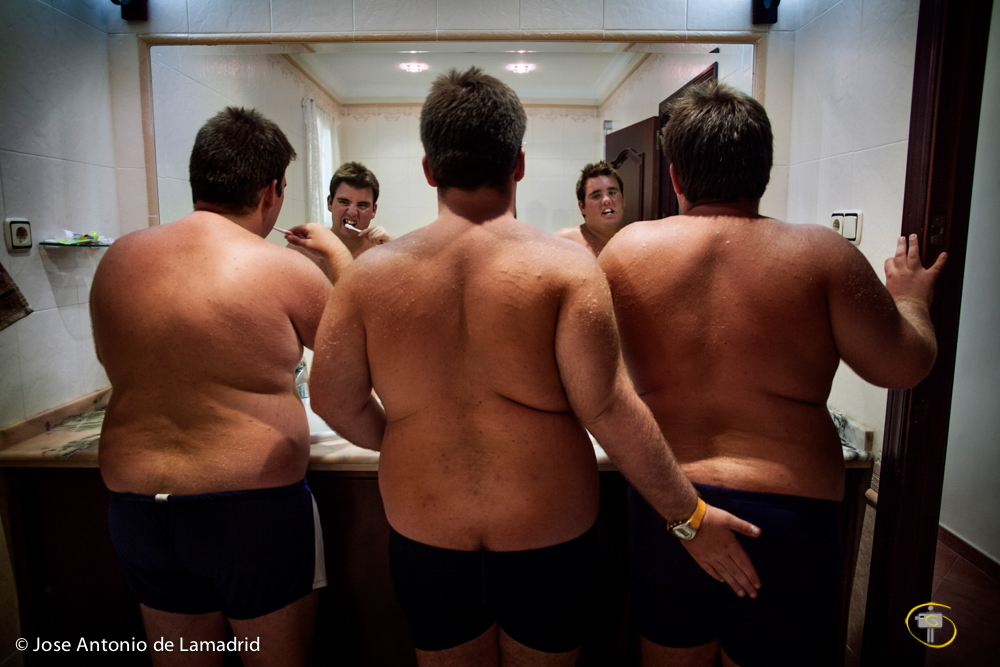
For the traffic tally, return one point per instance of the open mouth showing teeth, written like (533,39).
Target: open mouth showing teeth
(607,211)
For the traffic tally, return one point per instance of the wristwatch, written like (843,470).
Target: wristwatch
(686,530)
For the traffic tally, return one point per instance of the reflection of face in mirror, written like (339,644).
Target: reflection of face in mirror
(603,206)
(354,206)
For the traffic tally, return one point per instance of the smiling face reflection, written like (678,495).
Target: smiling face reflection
(603,206)
(351,205)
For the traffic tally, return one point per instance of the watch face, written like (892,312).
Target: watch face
(684,532)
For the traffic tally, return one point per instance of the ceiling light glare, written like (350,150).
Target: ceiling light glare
(411,52)
(520,68)
(414,67)
(521,51)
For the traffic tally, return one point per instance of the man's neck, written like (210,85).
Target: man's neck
(252,221)
(479,205)
(595,238)
(741,208)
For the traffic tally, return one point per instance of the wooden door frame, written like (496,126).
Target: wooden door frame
(950,62)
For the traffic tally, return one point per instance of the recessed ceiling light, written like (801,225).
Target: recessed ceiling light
(520,68)
(414,67)
(521,51)
(411,52)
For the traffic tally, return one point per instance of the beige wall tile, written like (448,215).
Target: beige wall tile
(165,17)
(478,14)
(92,12)
(11,397)
(395,15)
(883,86)
(721,15)
(645,15)
(312,15)
(878,182)
(774,203)
(126,110)
(226,16)
(174,199)
(779,76)
(562,14)
(133,205)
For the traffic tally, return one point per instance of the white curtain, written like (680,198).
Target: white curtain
(322,158)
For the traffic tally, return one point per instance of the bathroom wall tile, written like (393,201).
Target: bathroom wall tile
(774,203)
(414,147)
(884,83)
(395,15)
(175,199)
(836,187)
(716,15)
(224,16)
(86,265)
(803,186)
(4,255)
(878,182)
(645,15)
(92,12)
(562,14)
(11,396)
(81,93)
(583,153)
(170,55)
(133,205)
(165,16)
(810,10)
(392,135)
(312,15)
(293,212)
(778,91)
(823,119)
(394,176)
(478,14)
(27,74)
(54,195)
(57,342)
(543,168)
(545,151)
(548,129)
(359,137)
(126,110)
(182,107)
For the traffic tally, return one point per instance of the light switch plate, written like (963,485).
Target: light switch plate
(17,234)
(847,224)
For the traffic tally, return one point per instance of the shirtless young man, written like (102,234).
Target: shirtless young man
(492,345)
(601,197)
(732,328)
(200,324)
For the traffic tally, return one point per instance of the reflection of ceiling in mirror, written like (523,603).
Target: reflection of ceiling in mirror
(565,72)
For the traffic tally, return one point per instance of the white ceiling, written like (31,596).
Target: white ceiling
(566,72)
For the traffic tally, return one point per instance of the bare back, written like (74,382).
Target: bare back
(481,449)
(200,325)
(729,329)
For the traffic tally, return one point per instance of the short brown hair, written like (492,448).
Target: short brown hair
(357,176)
(593,170)
(472,126)
(720,143)
(236,154)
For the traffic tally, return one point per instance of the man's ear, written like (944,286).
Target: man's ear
(270,195)
(427,172)
(329,203)
(519,165)
(676,180)
(581,205)
(374,209)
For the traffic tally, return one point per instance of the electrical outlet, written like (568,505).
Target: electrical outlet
(17,234)
(848,225)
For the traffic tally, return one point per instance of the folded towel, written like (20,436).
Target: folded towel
(12,303)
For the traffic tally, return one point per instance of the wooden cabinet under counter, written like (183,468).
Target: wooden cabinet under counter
(70,585)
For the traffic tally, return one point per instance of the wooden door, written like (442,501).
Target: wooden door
(632,151)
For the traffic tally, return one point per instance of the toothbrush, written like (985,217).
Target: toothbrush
(352,227)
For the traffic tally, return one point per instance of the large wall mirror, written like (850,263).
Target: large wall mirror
(574,94)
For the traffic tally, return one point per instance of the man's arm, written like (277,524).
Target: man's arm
(340,384)
(884,332)
(377,235)
(603,398)
(321,245)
